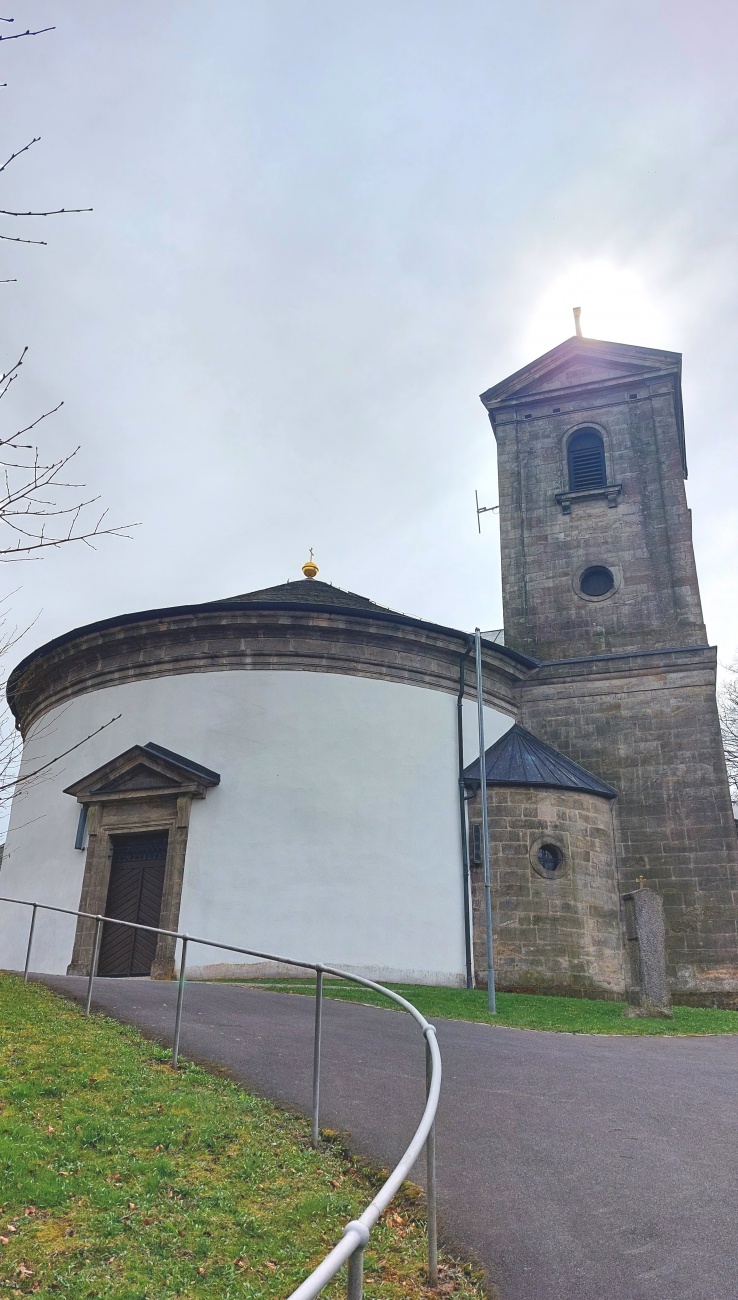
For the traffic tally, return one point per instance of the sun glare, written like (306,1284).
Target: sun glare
(615,302)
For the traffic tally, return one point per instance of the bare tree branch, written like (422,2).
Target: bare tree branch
(728,709)
(29,776)
(14,239)
(8,374)
(19,213)
(18,152)
(18,36)
(32,495)
(57,212)
(9,442)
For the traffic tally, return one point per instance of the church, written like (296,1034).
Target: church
(296,769)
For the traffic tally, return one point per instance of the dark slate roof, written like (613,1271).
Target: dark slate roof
(520,758)
(187,765)
(306,591)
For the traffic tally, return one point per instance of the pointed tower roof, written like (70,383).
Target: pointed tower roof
(586,365)
(520,758)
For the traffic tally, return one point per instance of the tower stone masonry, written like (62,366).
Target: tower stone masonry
(599,583)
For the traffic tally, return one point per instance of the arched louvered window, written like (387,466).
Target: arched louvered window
(586,455)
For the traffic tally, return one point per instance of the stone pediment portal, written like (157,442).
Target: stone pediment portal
(145,791)
(143,771)
(579,362)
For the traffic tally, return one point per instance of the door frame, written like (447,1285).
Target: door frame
(105,820)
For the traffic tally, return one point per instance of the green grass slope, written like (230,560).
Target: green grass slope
(121,1178)
(522,1010)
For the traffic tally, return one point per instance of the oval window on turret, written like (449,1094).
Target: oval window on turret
(550,858)
(586,456)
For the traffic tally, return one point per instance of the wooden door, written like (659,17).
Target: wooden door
(134,894)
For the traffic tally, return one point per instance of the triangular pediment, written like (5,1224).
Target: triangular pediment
(582,370)
(578,363)
(140,777)
(143,771)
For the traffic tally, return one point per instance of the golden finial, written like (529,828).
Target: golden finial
(310,568)
(641,882)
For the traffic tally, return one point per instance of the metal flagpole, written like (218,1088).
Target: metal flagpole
(485,828)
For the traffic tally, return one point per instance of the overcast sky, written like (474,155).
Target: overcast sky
(320,230)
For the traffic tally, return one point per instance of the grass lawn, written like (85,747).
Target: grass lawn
(521,1010)
(122,1178)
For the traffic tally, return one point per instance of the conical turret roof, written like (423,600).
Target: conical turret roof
(520,758)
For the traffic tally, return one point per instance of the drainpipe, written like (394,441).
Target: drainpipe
(462,818)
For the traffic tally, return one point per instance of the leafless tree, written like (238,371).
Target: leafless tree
(728,707)
(35,509)
(40,503)
(43,767)
(12,212)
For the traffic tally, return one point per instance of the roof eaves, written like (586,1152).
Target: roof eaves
(513,388)
(227,606)
(603,791)
(186,764)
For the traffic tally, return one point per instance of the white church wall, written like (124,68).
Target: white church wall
(495,725)
(333,835)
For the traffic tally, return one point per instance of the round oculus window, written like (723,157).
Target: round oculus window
(597,581)
(550,859)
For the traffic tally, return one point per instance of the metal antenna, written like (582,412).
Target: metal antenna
(482,510)
(577,321)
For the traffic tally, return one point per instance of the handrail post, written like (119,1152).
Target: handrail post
(355,1289)
(430,1155)
(30,941)
(93,963)
(180,997)
(316,1053)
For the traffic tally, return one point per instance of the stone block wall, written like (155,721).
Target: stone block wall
(648,725)
(559,935)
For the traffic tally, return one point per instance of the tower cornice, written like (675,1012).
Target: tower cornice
(580,369)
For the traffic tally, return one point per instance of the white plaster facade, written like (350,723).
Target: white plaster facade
(333,836)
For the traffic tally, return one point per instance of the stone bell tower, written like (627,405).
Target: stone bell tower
(595,531)
(599,583)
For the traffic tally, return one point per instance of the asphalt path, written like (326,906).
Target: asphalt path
(572,1167)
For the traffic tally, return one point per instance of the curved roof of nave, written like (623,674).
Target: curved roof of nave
(185,638)
(308,591)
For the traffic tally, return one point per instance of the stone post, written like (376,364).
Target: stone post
(646,941)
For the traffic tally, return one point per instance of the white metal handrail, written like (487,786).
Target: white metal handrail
(350,1249)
